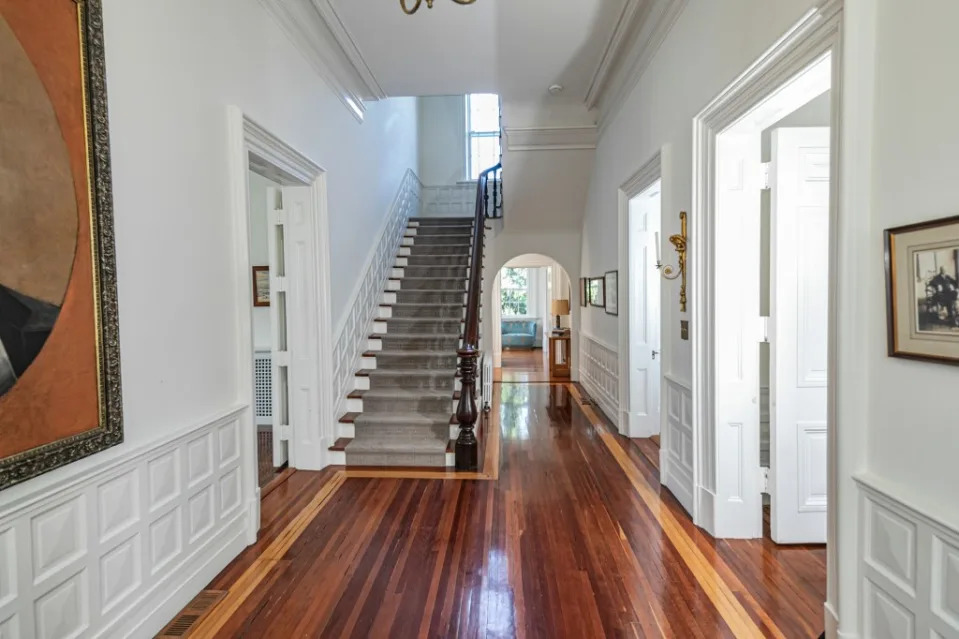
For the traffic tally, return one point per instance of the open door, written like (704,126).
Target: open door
(644,305)
(799,280)
(279,344)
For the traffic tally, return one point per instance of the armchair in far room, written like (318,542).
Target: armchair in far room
(518,333)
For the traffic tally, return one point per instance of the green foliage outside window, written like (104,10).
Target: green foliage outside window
(514,291)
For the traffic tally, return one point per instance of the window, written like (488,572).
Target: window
(514,292)
(482,129)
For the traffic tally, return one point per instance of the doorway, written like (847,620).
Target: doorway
(531,294)
(283,305)
(763,405)
(645,351)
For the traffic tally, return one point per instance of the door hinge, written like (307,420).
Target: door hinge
(277,216)
(764,330)
(284,432)
(764,478)
(764,176)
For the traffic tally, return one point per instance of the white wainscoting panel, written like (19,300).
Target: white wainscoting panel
(676,442)
(351,338)
(599,374)
(457,200)
(117,549)
(909,568)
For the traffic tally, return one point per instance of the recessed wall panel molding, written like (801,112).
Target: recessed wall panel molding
(677,442)
(552,138)
(909,565)
(117,549)
(351,336)
(599,374)
(454,200)
(229,443)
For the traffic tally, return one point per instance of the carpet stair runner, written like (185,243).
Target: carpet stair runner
(407,411)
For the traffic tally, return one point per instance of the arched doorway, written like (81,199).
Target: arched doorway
(530,293)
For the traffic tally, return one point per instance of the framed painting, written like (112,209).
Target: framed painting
(59,335)
(922,283)
(583,292)
(597,292)
(612,292)
(261,286)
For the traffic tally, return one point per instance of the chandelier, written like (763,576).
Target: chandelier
(429,5)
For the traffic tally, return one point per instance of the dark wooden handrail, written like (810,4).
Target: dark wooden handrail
(467,457)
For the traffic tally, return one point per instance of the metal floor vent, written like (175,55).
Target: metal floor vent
(184,623)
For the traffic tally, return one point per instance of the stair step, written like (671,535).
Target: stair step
(341,444)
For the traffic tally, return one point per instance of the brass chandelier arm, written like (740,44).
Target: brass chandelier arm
(464,1)
(679,243)
(407,11)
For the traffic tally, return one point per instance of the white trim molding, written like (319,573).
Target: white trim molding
(551,138)
(599,374)
(118,548)
(317,31)
(640,31)
(908,564)
(676,441)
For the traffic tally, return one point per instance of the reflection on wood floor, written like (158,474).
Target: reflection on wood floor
(575,539)
(523,366)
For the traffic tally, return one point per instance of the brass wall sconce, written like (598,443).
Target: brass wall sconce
(429,5)
(670,273)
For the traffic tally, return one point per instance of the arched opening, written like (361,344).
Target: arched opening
(531,317)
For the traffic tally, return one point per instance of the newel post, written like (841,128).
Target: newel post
(467,457)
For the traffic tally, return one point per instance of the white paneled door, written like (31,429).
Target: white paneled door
(645,355)
(799,182)
(280,350)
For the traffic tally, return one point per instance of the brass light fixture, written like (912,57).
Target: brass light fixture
(670,273)
(429,5)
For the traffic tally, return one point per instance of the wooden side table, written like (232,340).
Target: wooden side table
(559,356)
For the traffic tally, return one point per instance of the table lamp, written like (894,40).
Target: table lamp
(559,307)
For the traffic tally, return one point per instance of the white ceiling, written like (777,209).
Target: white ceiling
(516,48)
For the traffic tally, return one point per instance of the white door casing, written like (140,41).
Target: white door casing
(737,493)
(799,281)
(645,352)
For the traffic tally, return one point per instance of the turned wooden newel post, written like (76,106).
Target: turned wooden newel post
(467,457)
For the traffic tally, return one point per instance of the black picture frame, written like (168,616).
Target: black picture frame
(597,292)
(611,288)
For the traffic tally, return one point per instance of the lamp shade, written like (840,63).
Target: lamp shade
(559,307)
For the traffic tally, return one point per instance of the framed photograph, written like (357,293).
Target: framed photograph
(583,291)
(922,279)
(612,292)
(60,396)
(261,286)
(597,292)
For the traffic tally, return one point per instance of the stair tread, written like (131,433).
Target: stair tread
(418,445)
(416,335)
(418,419)
(407,372)
(430,352)
(406,393)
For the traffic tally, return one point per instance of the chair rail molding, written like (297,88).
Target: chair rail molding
(316,30)
(117,548)
(640,31)
(551,138)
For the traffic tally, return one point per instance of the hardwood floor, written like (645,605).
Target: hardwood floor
(575,538)
(524,366)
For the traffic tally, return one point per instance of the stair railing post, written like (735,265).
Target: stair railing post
(467,454)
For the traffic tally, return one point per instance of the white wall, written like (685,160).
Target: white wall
(442,139)
(172,69)
(679,82)
(260,252)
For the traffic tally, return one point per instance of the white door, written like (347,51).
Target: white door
(799,281)
(645,353)
(280,343)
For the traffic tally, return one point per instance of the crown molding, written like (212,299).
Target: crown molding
(551,138)
(641,30)
(316,30)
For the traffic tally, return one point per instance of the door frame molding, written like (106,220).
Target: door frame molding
(246,138)
(642,179)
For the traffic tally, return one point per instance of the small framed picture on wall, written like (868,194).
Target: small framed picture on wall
(583,291)
(612,292)
(261,286)
(922,281)
(597,291)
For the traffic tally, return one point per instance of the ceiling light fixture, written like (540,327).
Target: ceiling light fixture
(555,89)
(429,5)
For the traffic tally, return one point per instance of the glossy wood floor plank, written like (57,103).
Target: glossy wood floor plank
(573,538)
